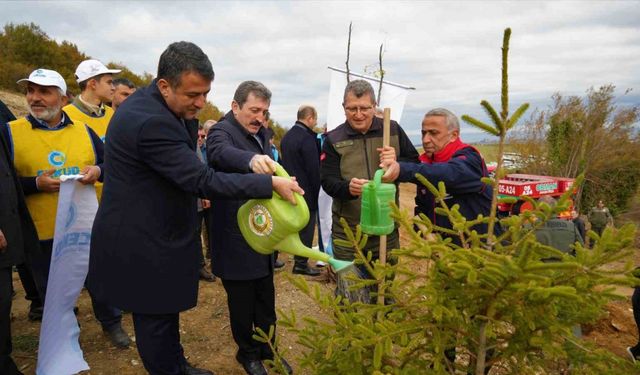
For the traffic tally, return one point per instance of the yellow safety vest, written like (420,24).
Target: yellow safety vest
(67,150)
(97,124)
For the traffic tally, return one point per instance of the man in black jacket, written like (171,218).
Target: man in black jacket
(144,245)
(301,158)
(24,269)
(238,143)
(18,240)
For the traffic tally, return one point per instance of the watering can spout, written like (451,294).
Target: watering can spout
(340,265)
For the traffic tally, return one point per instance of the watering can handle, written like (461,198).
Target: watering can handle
(377,178)
(373,199)
(281,172)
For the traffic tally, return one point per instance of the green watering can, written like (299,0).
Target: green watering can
(375,213)
(273,224)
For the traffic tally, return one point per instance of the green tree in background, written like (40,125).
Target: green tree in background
(26,47)
(588,135)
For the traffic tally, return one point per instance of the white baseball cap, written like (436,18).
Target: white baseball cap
(91,68)
(46,77)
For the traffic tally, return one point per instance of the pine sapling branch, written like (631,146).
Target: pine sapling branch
(505,78)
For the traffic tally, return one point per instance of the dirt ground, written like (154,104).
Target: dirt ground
(205,331)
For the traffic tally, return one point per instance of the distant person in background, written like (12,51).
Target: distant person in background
(600,217)
(558,233)
(270,135)
(207,127)
(579,223)
(302,159)
(561,234)
(203,204)
(123,88)
(204,233)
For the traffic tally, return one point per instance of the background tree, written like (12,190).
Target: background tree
(590,135)
(26,47)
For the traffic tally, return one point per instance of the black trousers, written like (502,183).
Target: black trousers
(158,342)
(7,366)
(107,315)
(201,216)
(251,304)
(29,284)
(306,236)
(635,303)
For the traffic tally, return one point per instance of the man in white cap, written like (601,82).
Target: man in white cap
(96,83)
(45,144)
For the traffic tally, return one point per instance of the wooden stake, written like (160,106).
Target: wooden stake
(386,135)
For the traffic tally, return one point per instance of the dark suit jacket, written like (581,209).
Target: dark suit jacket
(230,149)
(301,158)
(144,247)
(15,221)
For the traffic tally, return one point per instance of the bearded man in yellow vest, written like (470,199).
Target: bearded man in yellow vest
(96,83)
(44,145)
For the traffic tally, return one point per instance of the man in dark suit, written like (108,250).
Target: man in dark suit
(144,246)
(246,275)
(24,269)
(301,158)
(18,238)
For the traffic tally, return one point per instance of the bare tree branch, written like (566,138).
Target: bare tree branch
(381,74)
(348,52)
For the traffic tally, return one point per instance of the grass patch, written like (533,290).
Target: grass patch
(25,343)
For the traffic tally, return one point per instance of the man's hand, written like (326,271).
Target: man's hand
(91,174)
(387,156)
(392,172)
(262,164)
(355,186)
(3,242)
(206,204)
(285,187)
(46,184)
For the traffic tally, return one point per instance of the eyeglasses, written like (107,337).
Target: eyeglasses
(354,110)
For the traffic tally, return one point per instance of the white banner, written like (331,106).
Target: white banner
(59,352)
(324,220)
(393,96)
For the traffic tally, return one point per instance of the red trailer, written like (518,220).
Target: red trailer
(519,185)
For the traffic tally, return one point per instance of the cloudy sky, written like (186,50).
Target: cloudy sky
(448,51)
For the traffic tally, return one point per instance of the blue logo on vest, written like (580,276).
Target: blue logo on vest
(56,158)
